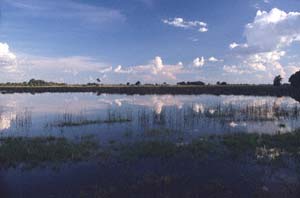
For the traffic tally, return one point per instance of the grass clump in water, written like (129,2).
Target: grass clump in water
(34,151)
(145,149)
(240,142)
(74,123)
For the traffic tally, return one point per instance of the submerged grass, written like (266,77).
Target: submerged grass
(15,151)
(33,151)
(74,123)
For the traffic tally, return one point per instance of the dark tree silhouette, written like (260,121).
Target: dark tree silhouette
(277,81)
(138,83)
(98,80)
(295,79)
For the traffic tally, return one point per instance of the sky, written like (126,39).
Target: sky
(152,41)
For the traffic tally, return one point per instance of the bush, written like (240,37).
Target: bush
(277,81)
(295,79)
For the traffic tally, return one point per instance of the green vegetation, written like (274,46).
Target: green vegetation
(75,123)
(73,120)
(277,80)
(39,150)
(33,83)
(40,86)
(295,79)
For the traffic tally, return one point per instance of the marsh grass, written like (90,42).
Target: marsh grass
(258,147)
(15,151)
(74,120)
(23,119)
(159,132)
(38,150)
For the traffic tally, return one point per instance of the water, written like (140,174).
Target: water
(118,115)
(128,118)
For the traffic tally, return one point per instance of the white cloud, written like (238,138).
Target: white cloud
(118,69)
(105,70)
(181,23)
(291,69)
(199,62)
(267,61)
(273,30)
(81,69)
(8,59)
(213,59)
(155,71)
(73,69)
(203,29)
(266,39)
(235,69)
(235,45)
(157,65)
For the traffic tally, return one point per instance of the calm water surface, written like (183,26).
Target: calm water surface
(119,115)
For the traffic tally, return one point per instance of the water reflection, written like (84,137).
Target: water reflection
(109,116)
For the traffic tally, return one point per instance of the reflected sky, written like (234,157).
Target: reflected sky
(31,115)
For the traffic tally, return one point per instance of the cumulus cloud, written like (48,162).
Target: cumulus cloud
(82,69)
(267,36)
(118,68)
(235,69)
(72,69)
(198,62)
(235,45)
(213,59)
(273,30)
(155,71)
(181,23)
(8,59)
(157,65)
(203,29)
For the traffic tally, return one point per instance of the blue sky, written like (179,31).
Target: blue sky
(78,41)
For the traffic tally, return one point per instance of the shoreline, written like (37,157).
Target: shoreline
(257,90)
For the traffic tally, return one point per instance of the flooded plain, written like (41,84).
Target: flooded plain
(149,145)
(110,116)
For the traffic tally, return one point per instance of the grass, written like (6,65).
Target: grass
(255,146)
(75,123)
(38,150)
(263,90)
(73,120)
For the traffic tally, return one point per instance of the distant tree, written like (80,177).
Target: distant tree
(98,80)
(277,81)
(181,83)
(33,82)
(195,83)
(138,83)
(295,79)
(218,83)
(127,83)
